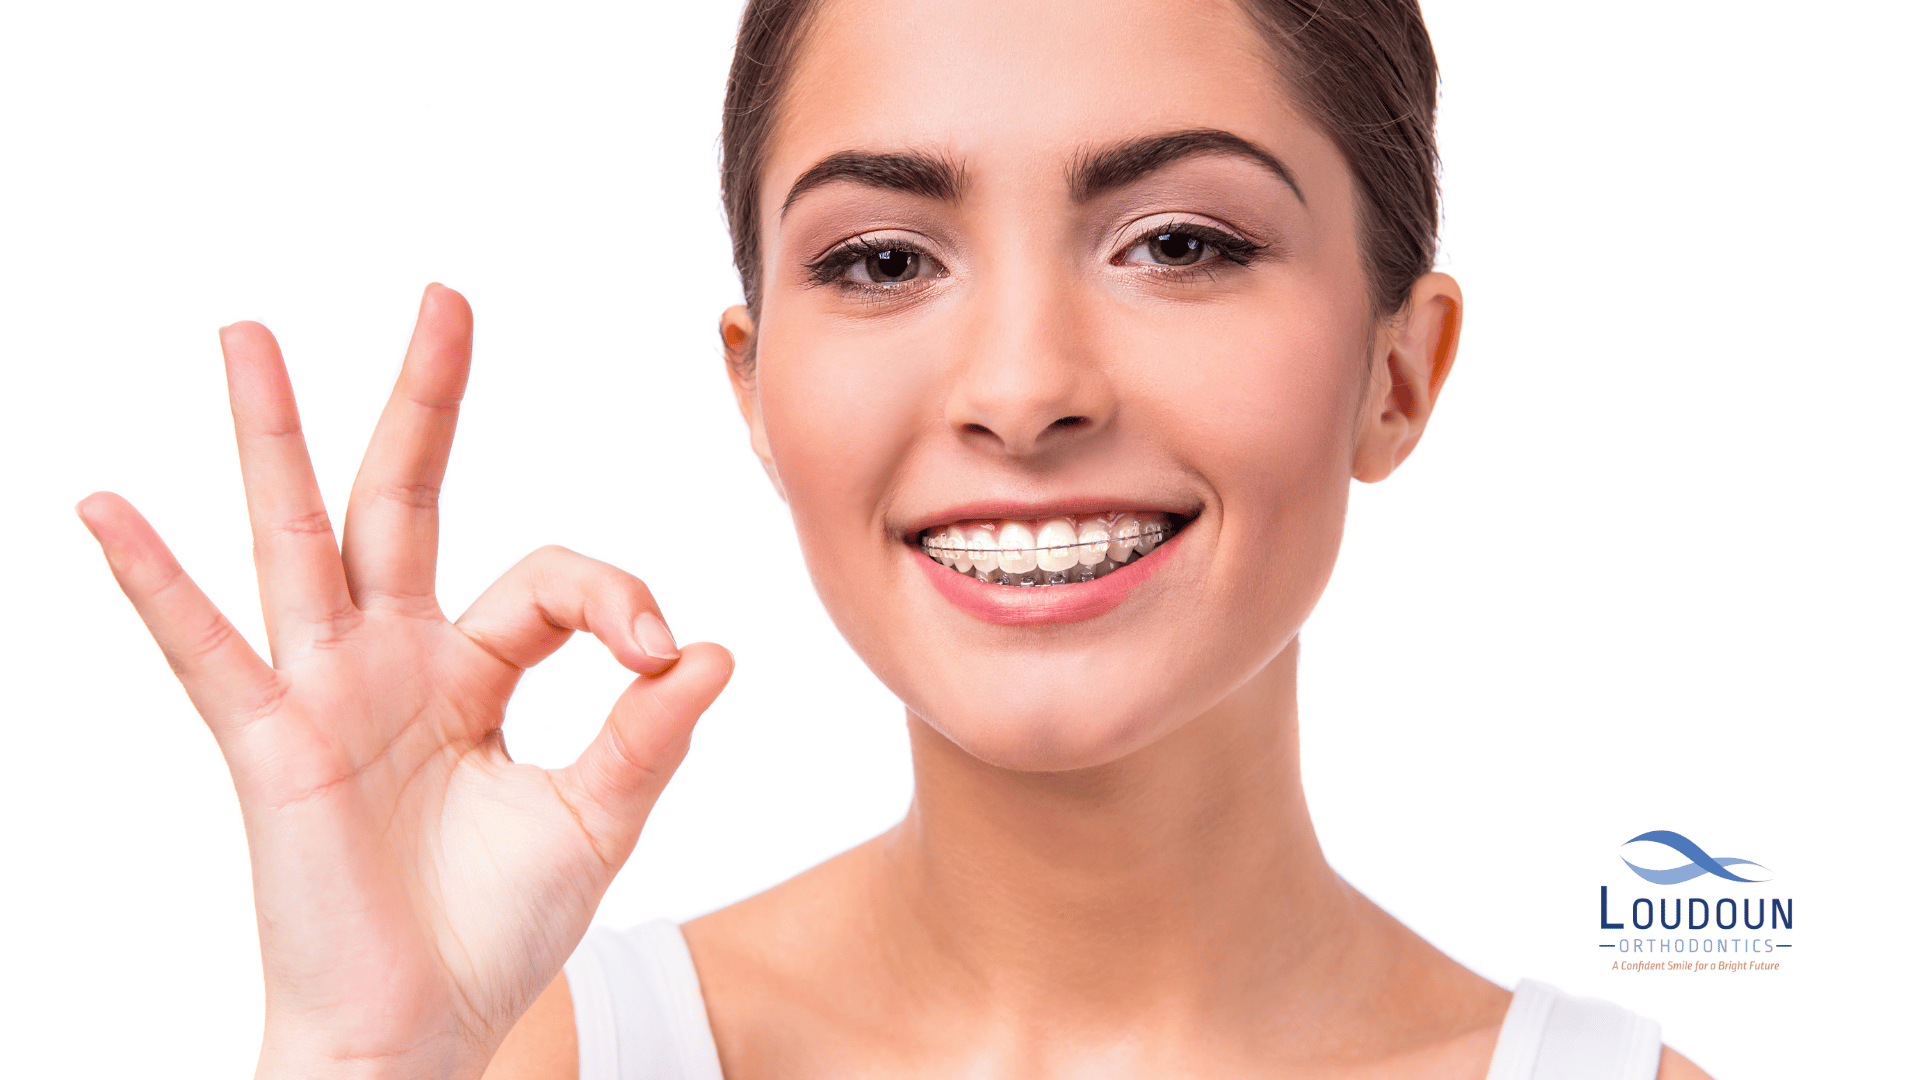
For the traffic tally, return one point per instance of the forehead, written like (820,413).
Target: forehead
(1004,84)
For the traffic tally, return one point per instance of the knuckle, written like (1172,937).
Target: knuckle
(637,591)
(410,603)
(313,523)
(262,703)
(216,634)
(548,555)
(449,404)
(278,425)
(609,588)
(171,578)
(424,495)
(645,767)
(333,628)
(553,574)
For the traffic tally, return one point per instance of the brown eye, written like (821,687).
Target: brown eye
(1176,248)
(891,265)
(876,266)
(1176,245)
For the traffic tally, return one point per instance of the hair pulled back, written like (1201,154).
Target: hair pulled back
(1363,70)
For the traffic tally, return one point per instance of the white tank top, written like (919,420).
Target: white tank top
(639,1015)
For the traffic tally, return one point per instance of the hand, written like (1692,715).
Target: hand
(415,888)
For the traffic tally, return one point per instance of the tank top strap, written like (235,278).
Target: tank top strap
(637,1008)
(1548,1035)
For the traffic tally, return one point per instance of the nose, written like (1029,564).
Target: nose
(1030,383)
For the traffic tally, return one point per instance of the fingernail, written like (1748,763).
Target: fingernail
(655,637)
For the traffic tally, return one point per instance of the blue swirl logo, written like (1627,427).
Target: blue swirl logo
(1698,861)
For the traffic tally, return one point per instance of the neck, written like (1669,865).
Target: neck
(1188,870)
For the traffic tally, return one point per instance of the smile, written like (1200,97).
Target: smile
(1066,550)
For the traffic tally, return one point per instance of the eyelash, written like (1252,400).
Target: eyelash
(1235,249)
(827,269)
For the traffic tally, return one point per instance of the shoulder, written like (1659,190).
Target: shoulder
(1673,1066)
(794,972)
(799,926)
(1547,1032)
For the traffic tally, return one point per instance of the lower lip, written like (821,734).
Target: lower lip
(1036,605)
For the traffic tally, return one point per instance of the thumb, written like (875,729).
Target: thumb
(629,763)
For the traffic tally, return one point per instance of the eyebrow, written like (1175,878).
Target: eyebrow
(1097,172)
(1092,174)
(926,175)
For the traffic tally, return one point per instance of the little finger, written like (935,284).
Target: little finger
(227,681)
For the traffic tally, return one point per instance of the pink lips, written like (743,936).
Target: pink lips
(1040,605)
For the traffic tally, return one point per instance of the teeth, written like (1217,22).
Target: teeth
(1093,537)
(1126,537)
(982,546)
(1057,543)
(956,555)
(1056,551)
(1017,555)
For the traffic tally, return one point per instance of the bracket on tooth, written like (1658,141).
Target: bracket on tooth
(1058,551)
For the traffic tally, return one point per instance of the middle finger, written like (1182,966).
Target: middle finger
(302,588)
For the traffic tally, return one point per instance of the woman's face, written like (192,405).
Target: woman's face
(1029,267)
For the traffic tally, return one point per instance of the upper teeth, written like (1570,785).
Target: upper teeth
(1053,551)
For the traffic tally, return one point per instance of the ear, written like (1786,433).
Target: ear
(738,343)
(1411,361)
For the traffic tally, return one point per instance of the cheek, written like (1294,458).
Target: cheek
(1266,400)
(1266,394)
(838,418)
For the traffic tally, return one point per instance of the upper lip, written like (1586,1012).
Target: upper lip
(1023,510)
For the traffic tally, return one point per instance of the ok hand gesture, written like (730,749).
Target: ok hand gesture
(416,889)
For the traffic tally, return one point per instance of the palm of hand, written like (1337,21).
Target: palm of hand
(416,888)
(393,804)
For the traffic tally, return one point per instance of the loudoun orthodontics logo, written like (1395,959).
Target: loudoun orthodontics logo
(1747,923)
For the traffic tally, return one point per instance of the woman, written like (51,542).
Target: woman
(1066,327)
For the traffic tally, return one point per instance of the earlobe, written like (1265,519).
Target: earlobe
(1415,356)
(738,343)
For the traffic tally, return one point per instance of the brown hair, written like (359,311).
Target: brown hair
(1364,70)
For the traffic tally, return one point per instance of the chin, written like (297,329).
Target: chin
(1057,713)
(1049,742)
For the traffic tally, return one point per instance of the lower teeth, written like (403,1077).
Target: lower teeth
(1076,576)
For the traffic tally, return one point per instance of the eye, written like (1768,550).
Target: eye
(874,264)
(1183,244)
(1171,248)
(889,266)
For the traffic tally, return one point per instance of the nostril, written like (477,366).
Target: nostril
(1069,421)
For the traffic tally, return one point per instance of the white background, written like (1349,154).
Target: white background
(1651,569)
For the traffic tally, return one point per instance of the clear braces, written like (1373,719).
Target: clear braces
(1117,539)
